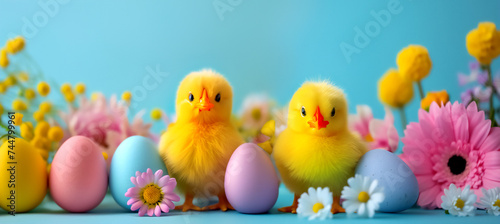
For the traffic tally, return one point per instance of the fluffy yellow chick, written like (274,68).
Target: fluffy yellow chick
(317,149)
(197,147)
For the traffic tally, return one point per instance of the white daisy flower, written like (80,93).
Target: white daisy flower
(458,202)
(491,201)
(316,204)
(362,196)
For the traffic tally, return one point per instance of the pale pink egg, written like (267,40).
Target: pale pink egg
(78,176)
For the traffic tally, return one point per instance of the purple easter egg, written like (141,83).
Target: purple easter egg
(251,182)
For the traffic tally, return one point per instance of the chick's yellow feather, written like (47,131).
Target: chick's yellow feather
(317,149)
(197,147)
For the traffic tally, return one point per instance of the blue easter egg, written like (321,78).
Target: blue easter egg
(399,182)
(135,153)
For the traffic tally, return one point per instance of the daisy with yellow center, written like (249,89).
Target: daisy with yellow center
(459,202)
(362,195)
(491,201)
(316,204)
(152,194)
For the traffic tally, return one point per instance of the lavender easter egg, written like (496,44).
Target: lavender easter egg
(251,182)
(78,175)
(399,183)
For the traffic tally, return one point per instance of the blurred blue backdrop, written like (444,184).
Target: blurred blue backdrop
(260,46)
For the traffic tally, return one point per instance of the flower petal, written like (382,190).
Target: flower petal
(164,207)
(143,210)
(157,211)
(172,196)
(136,205)
(427,198)
(492,142)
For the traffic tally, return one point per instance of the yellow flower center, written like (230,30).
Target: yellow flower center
(152,194)
(369,138)
(256,114)
(318,206)
(363,197)
(497,203)
(460,203)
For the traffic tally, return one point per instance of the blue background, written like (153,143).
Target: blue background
(260,46)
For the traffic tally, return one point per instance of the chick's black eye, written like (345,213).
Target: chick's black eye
(191,97)
(217,97)
(333,112)
(303,111)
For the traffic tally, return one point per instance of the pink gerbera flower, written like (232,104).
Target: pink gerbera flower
(380,134)
(452,144)
(152,194)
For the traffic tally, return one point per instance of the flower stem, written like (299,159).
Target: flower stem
(489,83)
(420,90)
(403,117)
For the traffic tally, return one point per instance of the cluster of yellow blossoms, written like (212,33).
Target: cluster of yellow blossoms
(70,94)
(13,46)
(395,88)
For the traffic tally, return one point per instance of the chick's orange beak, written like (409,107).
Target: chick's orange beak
(204,103)
(318,120)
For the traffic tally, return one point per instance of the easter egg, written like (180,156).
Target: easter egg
(399,183)
(78,176)
(134,154)
(23,176)
(251,182)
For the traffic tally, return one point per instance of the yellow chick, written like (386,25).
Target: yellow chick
(197,147)
(317,149)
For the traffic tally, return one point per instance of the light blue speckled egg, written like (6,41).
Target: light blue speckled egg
(135,153)
(399,182)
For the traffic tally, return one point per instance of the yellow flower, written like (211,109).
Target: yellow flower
(1,109)
(80,88)
(394,90)
(38,116)
(414,63)
(55,134)
(40,142)
(95,95)
(23,76)
(42,129)
(483,43)
(66,88)
(127,96)
(69,97)
(18,119)
(440,98)
(10,81)
(3,87)
(15,45)
(45,107)
(26,129)
(18,104)
(156,114)
(29,93)
(43,88)
(4,59)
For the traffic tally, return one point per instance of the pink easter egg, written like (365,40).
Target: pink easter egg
(78,175)
(251,183)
